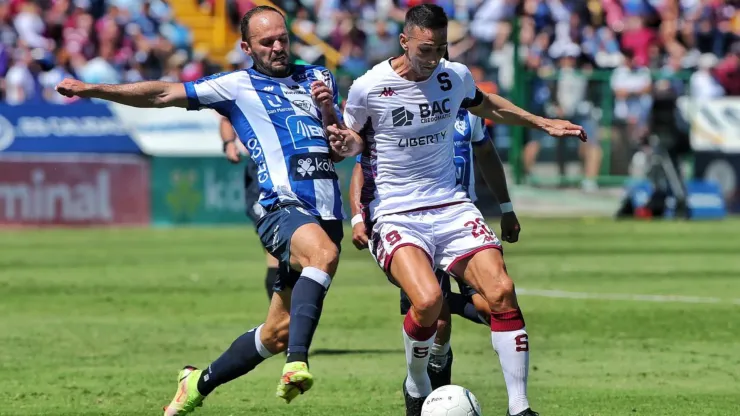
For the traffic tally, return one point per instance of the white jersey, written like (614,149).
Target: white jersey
(409,128)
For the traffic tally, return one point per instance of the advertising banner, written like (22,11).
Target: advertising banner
(198,190)
(172,131)
(715,124)
(82,127)
(73,190)
(208,190)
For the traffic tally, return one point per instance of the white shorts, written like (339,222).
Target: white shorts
(446,234)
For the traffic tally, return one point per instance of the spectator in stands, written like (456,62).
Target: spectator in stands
(20,84)
(632,87)
(727,72)
(381,44)
(703,85)
(570,101)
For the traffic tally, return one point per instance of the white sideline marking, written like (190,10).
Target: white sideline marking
(622,296)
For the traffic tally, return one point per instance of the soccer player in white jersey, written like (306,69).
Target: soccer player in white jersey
(280,112)
(470,139)
(423,218)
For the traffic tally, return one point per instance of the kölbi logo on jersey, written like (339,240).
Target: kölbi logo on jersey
(310,166)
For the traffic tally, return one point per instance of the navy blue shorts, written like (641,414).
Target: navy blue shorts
(276,228)
(444,283)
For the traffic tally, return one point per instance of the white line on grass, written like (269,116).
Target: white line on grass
(622,296)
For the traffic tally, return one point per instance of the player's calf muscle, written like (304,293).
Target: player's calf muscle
(482,307)
(275,336)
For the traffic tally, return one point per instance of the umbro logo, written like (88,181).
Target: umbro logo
(402,117)
(387,92)
(268,88)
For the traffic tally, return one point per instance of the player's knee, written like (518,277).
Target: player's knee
(502,293)
(325,257)
(428,306)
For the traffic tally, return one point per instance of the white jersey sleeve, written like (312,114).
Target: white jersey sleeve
(473,96)
(216,91)
(356,111)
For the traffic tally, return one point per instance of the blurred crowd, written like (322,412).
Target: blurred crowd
(581,56)
(129,40)
(108,41)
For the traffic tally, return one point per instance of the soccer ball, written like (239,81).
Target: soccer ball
(451,401)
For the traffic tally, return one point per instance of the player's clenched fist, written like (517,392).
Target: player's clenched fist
(359,236)
(321,94)
(510,227)
(71,87)
(342,141)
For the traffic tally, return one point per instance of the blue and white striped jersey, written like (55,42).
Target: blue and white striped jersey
(279,124)
(469,131)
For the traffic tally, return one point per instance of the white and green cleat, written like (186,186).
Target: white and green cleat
(187,397)
(295,380)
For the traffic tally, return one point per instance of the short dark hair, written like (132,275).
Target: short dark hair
(244,24)
(425,16)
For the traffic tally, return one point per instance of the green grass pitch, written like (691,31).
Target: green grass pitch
(98,322)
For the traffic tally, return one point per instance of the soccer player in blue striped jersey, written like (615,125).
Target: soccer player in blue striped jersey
(280,112)
(471,138)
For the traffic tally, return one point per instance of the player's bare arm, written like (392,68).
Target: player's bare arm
(494,174)
(146,94)
(359,231)
(323,96)
(502,111)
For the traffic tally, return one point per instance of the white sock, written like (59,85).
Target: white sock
(512,348)
(417,358)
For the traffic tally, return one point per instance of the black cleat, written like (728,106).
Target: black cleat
(440,371)
(527,412)
(413,404)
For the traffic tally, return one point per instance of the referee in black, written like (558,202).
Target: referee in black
(251,194)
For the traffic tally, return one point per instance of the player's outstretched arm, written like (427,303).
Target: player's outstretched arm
(493,172)
(147,94)
(359,232)
(502,111)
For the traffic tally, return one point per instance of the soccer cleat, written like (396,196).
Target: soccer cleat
(439,370)
(413,404)
(526,412)
(295,380)
(187,397)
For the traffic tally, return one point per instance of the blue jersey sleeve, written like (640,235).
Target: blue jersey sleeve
(216,91)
